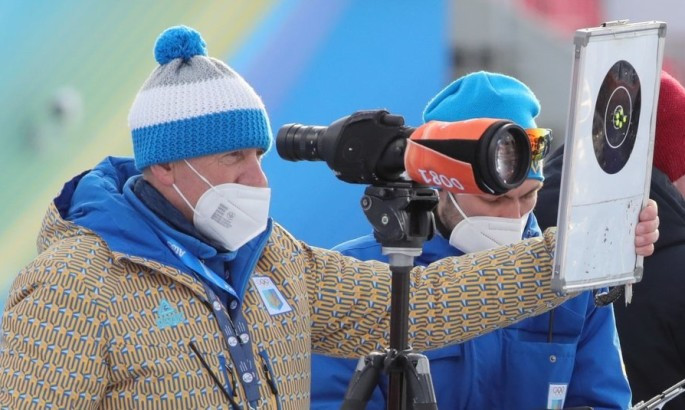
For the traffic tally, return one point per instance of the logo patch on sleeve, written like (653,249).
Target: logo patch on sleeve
(272,297)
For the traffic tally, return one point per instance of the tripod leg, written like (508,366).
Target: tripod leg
(364,381)
(420,393)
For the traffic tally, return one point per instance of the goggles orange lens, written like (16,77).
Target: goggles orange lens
(540,141)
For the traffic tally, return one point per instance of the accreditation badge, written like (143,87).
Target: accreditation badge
(272,297)
(556,396)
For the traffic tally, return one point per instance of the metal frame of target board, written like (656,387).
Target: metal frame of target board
(608,154)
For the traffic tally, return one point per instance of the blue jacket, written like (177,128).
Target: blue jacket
(513,368)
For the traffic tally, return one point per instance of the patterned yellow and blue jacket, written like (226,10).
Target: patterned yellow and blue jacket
(104,316)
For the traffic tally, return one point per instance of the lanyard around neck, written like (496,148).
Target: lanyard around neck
(233,327)
(198,267)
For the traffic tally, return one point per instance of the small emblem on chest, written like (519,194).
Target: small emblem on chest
(273,298)
(167,316)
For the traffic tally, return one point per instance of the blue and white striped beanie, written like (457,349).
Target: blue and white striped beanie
(194,105)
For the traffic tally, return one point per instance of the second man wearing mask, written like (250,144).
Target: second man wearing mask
(568,357)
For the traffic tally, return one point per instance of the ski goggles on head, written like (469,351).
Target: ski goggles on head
(540,141)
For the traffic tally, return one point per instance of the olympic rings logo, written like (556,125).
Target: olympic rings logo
(558,389)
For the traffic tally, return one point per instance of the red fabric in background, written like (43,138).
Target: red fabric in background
(566,16)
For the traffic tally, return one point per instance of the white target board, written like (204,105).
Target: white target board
(608,154)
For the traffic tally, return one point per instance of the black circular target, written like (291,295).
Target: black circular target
(617,114)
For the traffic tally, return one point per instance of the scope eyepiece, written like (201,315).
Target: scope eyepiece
(297,142)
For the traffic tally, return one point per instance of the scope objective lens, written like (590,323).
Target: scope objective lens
(506,158)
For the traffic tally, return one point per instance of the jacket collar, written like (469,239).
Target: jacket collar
(102,200)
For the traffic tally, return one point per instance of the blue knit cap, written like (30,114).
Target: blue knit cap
(194,105)
(487,95)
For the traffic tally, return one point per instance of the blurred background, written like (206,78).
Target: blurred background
(73,69)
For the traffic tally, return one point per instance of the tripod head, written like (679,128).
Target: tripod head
(401,213)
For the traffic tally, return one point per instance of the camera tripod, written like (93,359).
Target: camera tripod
(401,214)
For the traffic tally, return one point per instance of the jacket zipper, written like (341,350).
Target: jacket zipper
(228,370)
(270,376)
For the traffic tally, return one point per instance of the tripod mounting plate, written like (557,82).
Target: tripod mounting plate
(401,213)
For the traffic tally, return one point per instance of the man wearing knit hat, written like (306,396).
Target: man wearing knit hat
(162,283)
(569,357)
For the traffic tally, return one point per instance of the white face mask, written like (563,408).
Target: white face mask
(479,233)
(230,214)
